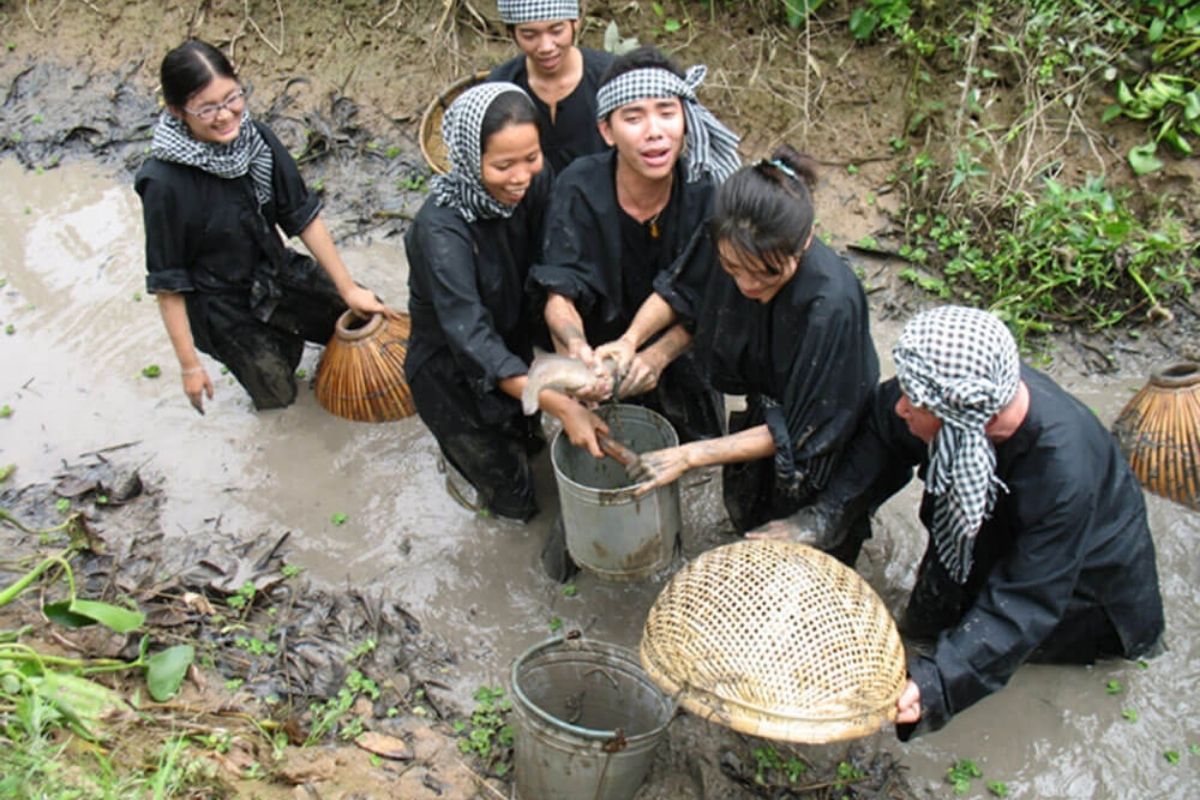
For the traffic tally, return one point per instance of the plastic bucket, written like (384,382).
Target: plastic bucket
(586,720)
(609,531)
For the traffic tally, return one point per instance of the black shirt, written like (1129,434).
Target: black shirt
(207,234)
(587,258)
(809,349)
(1070,531)
(466,288)
(573,133)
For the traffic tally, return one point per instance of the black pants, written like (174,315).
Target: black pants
(488,439)
(263,355)
(752,496)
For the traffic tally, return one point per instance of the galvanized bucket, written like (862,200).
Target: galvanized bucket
(609,531)
(586,720)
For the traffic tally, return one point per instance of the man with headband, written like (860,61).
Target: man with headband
(618,219)
(1039,548)
(561,78)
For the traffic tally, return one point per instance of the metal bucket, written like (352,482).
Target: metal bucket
(586,720)
(609,531)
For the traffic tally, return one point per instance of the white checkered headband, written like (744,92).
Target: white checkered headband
(462,188)
(711,147)
(962,364)
(515,12)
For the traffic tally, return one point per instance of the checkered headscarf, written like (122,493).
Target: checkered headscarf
(462,188)
(961,364)
(711,147)
(249,152)
(514,12)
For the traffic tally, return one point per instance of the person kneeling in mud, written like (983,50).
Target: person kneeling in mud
(620,218)
(560,77)
(783,321)
(473,327)
(215,188)
(1039,549)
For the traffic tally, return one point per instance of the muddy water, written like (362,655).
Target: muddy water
(70,250)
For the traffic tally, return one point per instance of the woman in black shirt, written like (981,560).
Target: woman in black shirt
(213,192)
(469,250)
(783,321)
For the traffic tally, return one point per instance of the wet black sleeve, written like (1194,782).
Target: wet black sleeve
(878,461)
(684,284)
(164,215)
(467,325)
(580,242)
(295,206)
(1026,593)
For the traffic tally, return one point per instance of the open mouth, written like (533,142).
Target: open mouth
(515,195)
(550,63)
(657,157)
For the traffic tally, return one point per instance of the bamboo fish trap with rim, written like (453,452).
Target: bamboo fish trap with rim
(433,147)
(361,375)
(776,639)
(1159,432)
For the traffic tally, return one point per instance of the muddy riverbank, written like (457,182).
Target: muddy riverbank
(79,83)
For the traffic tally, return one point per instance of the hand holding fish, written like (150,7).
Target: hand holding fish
(568,375)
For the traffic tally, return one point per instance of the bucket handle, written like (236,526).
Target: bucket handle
(606,674)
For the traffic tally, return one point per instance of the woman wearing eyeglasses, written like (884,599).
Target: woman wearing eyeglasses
(215,192)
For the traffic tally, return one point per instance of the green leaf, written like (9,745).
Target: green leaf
(339,518)
(117,618)
(672,25)
(1114,687)
(1130,714)
(151,371)
(60,613)
(1172,756)
(1111,113)
(998,788)
(1143,160)
(165,671)
(7,471)
(1156,30)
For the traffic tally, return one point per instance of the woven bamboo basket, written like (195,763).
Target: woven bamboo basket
(361,375)
(776,639)
(430,135)
(1159,432)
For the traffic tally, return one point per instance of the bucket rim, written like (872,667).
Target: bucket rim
(588,733)
(623,491)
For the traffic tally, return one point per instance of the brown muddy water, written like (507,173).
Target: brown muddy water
(71,253)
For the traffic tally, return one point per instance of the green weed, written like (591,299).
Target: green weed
(961,774)
(488,736)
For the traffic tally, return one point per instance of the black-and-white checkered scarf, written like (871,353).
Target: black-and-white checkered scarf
(961,364)
(462,188)
(249,152)
(514,12)
(711,147)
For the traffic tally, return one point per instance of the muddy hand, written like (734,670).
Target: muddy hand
(622,455)
(196,384)
(365,303)
(659,468)
(812,525)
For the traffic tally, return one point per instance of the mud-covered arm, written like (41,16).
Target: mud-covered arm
(1024,598)
(449,258)
(662,467)
(653,316)
(318,241)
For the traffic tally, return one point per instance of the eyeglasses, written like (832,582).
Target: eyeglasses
(235,102)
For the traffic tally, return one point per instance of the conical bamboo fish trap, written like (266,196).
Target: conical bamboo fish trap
(361,376)
(776,639)
(1159,432)
(430,133)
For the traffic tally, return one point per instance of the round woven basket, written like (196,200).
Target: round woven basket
(361,375)
(1159,432)
(430,135)
(778,640)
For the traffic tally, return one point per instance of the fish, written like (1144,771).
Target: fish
(550,371)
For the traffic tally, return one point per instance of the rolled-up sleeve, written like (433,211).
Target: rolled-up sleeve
(166,236)
(295,206)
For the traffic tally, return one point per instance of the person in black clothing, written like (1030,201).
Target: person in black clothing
(215,188)
(617,219)
(1039,549)
(784,321)
(561,78)
(473,328)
